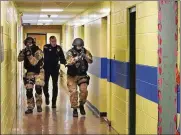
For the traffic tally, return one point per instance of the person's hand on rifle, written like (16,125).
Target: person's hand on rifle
(27,51)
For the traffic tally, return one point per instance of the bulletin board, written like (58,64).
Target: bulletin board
(167,48)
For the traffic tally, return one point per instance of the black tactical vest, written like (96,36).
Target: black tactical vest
(28,66)
(80,68)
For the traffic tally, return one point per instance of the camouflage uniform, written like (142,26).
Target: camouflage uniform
(77,76)
(33,63)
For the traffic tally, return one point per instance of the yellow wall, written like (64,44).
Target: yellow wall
(146,54)
(8,67)
(117,35)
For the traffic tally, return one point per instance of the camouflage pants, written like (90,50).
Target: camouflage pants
(31,79)
(72,83)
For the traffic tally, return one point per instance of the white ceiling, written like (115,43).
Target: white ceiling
(32,11)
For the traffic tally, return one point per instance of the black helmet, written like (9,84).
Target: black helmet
(29,39)
(78,42)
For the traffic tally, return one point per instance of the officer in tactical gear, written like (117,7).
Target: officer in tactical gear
(53,54)
(32,56)
(78,59)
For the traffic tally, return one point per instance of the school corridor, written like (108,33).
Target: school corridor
(134,78)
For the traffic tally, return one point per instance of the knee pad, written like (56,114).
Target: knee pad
(83,86)
(38,89)
(28,81)
(82,80)
(29,93)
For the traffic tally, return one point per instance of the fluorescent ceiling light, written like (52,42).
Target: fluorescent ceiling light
(84,20)
(51,16)
(51,10)
(105,10)
(54,16)
(76,24)
(29,20)
(40,24)
(43,16)
(47,24)
(45,20)
(93,16)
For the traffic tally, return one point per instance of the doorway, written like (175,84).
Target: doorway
(132,71)
(40,39)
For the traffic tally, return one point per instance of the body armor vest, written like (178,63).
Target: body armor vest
(28,66)
(80,67)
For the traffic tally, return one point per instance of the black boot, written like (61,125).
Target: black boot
(82,110)
(29,111)
(75,113)
(54,106)
(39,109)
(47,101)
(53,103)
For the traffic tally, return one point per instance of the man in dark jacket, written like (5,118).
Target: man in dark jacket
(32,56)
(53,54)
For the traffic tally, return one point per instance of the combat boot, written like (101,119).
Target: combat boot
(82,110)
(54,103)
(29,111)
(75,113)
(39,109)
(47,101)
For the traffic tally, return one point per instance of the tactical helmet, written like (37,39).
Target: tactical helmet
(29,39)
(78,42)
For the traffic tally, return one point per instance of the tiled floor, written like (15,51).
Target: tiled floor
(59,120)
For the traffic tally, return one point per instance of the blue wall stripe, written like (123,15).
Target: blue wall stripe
(118,73)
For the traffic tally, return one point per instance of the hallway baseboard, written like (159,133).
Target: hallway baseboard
(95,110)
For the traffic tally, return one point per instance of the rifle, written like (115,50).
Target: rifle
(80,57)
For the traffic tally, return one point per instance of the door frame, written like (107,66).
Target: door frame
(132,89)
(28,34)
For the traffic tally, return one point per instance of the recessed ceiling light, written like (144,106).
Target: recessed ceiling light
(51,10)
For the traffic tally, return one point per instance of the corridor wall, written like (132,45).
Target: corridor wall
(110,70)
(8,67)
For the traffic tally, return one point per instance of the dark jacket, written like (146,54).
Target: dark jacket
(52,56)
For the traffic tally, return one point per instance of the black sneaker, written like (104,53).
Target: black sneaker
(53,105)
(75,113)
(39,109)
(82,110)
(47,101)
(29,111)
